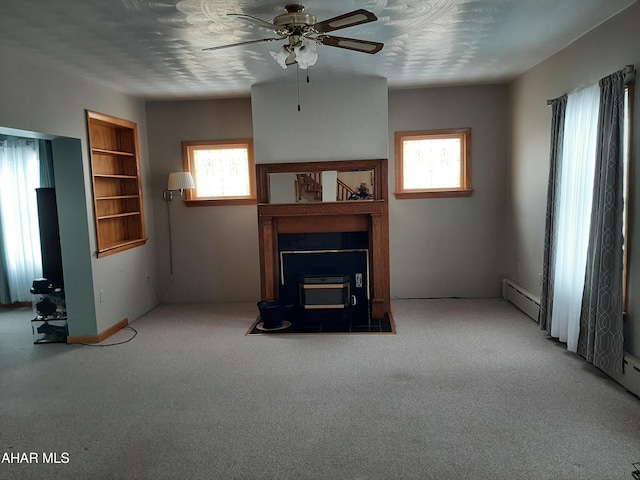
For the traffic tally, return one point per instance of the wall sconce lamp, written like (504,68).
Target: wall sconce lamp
(178,181)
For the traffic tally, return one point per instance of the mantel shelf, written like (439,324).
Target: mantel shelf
(355,207)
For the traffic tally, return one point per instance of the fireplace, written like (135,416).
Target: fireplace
(325,274)
(330,257)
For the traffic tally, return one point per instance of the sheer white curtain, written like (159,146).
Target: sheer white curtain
(574,211)
(20,242)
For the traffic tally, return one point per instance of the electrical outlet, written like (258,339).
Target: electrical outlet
(101,296)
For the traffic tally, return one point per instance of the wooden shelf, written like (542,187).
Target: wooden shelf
(112,152)
(117,197)
(117,190)
(118,215)
(116,247)
(104,175)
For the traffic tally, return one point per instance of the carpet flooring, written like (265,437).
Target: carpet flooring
(465,389)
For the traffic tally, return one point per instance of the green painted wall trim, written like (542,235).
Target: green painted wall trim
(74,236)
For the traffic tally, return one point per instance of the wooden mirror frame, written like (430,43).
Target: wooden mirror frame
(379,168)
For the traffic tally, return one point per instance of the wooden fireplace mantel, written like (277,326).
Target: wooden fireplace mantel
(370,216)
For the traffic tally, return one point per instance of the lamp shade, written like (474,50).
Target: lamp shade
(180,181)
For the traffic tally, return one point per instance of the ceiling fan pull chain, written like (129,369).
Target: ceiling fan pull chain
(298,83)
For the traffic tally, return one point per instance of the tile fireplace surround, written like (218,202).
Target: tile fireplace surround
(370,216)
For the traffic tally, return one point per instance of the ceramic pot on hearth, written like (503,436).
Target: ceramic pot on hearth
(273,313)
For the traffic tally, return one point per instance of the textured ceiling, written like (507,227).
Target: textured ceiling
(154,48)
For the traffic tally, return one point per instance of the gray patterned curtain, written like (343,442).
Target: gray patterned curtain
(559,107)
(601,337)
(45,155)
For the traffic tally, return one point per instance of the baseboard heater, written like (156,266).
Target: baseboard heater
(521,298)
(530,304)
(630,376)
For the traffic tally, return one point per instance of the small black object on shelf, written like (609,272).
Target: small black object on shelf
(45,307)
(43,286)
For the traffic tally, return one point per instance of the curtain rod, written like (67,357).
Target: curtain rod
(629,77)
(28,142)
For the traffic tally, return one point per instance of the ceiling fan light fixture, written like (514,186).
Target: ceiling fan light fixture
(303,53)
(281,56)
(306,54)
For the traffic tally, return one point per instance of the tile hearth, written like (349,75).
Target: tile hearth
(328,325)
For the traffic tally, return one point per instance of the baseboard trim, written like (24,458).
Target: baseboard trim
(16,305)
(101,337)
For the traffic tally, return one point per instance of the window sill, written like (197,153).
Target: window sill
(221,202)
(434,194)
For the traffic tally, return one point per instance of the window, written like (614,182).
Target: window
(573,214)
(584,291)
(223,171)
(433,163)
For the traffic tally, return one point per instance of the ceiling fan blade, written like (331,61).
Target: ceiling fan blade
(364,46)
(256,21)
(243,43)
(350,19)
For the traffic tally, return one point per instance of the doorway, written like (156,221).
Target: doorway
(71,185)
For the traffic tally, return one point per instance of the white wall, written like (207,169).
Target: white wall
(37,96)
(342,120)
(452,247)
(215,248)
(604,50)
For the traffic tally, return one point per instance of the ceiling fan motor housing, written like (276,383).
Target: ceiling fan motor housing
(295,17)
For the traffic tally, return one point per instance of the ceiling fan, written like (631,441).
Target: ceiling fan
(303,31)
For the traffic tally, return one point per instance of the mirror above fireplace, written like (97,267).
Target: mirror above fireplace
(321,186)
(316,182)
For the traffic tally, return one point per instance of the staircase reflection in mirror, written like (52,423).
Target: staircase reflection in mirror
(312,186)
